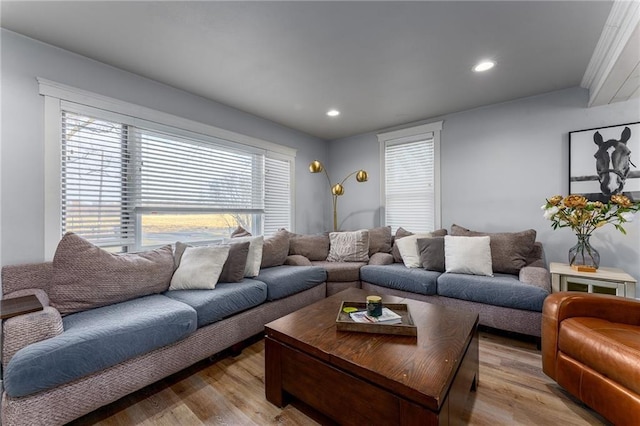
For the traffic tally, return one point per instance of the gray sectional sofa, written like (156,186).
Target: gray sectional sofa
(59,367)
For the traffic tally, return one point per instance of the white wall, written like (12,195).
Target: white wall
(499,163)
(22,158)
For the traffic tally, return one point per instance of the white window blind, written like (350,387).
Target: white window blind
(277,203)
(409,185)
(179,174)
(410,169)
(96,198)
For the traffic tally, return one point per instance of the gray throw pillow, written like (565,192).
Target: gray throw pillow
(86,276)
(313,247)
(233,268)
(432,253)
(509,250)
(401,233)
(380,240)
(275,249)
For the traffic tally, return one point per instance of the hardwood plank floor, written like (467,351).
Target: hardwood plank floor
(229,390)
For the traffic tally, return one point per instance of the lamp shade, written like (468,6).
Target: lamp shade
(315,167)
(362,176)
(337,189)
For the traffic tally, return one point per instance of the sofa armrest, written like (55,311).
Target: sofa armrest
(381,259)
(560,306)
(23,330)
(537,276)
(297,260)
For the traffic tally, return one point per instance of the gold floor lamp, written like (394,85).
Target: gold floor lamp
(337,189)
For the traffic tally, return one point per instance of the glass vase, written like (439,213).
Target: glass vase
(583,253)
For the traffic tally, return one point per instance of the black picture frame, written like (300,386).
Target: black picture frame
(593,173)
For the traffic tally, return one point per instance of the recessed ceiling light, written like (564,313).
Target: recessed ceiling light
(484,66)
(333,113)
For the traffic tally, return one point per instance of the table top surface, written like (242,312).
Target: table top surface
(602,273)
(421,369)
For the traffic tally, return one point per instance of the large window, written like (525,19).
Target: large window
(411,177)
(128,184)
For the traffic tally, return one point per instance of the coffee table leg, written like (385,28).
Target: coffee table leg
(273,372)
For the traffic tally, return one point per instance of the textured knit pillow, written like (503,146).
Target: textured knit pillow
(432,253)
(200,268)
(509,250)
(254,258)
(86,276)
(349,246)
(233,268)
(275,249)
(468,255)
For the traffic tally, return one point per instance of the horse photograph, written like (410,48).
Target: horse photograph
(605,161)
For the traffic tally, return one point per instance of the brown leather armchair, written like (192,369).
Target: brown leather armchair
(591,347)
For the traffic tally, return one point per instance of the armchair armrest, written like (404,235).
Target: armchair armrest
(560,306)
(297,260)
(537,276)
(381,259)
(23,330)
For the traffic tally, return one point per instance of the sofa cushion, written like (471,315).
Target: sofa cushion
(341,271)
(200,268)
(313,247)
(612,349)
(510,251)
(380,240)
(275,249)
(233,268)
(97,339)
(499,290)
(432,253)
(223,301)
(468,255)
(283,281)
(399,277)
(349,246)
(86,276)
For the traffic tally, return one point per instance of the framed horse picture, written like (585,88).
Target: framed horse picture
(605,161)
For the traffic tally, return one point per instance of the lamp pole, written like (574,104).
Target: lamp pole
(337,189)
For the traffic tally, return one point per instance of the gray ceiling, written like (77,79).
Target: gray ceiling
(380,63)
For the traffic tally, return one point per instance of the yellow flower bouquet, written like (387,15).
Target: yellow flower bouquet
(584,217)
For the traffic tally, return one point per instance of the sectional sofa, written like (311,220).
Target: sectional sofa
(72,357)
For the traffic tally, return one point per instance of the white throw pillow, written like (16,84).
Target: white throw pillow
(468,255)
(349,246)
(254,258)
(200,268)
(408,247)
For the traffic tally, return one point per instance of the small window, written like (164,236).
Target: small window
(411,181)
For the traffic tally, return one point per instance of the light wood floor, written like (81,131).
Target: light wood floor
(230,391)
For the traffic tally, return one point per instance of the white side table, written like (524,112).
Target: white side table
(604,280)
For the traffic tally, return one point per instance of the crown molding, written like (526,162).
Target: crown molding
(618,30)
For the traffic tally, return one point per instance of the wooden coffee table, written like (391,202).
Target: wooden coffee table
(360,378)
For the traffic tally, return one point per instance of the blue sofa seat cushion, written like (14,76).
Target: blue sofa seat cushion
(283,281)
(399,277)
(500,290)
(97,339)
(223,301)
